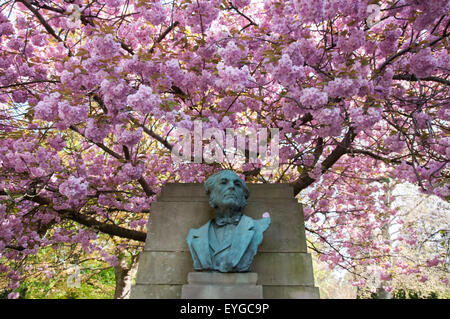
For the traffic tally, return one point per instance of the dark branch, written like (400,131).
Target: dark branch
(41,19)
(93,223)
(342,148)
(163,35)
(412,77)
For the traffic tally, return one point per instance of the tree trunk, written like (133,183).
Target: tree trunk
(124,277)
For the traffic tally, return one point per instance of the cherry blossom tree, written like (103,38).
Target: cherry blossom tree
(90,92)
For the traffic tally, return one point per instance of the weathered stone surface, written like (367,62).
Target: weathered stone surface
(284,269)
(176,219)
(214,291)
(151,291)
(286,232)
(290,292)
(231,278)
(215,285)
(164,267)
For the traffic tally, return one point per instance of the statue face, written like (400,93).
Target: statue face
(228,192)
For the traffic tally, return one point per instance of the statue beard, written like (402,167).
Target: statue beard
(229,209)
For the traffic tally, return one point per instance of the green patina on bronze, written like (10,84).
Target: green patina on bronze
(229,241)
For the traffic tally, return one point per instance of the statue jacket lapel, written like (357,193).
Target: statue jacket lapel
(214,244)
(239,244)
(198,239)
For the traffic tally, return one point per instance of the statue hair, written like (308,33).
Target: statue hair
(211,181)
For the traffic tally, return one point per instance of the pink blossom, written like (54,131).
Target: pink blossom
(114,3)
(132,172)
(233,78)
(394,144)
(423,278)
(240,3)
(105,47)
(56,142)
(388,289)
(129,138)
(359,283)
(232,54)
(144,100)
(70,114)
(38,40)
(313,97)
(6,28)
(323,204)
(13,295)
(385,276)
(286,72)
(74,188)
(310,11)
(156,14)
(162,66)
(355,40)
(95,131)
(341,87)
(433,262)
(112,260)
(422,119)
(389,45)
(423,63)
(47,109)
(266,215)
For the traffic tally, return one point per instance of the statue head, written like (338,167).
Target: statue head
(227,193)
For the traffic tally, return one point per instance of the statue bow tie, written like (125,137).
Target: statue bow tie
(222,221)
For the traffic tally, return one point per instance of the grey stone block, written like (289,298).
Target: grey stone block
(233,278)
(169,224)
(290,292)
(164,267)
(284,269)
(215,285)
(221,292)
(151,291)
(286,232)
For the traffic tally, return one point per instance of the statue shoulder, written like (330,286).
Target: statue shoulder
(263,223)
(196,232)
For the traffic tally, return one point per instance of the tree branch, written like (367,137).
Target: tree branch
(408,49)
(305,180)
(163,35)
(103,147)
(41,19)
(377,157)
(82,219)
(109,229)
(152,134)
(412,77)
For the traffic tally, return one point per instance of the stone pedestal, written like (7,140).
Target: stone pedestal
(216,285)
(282,263)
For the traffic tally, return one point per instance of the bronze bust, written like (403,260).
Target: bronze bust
(229,242)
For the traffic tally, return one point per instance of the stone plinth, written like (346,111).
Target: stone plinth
(215,285)
(282,263)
